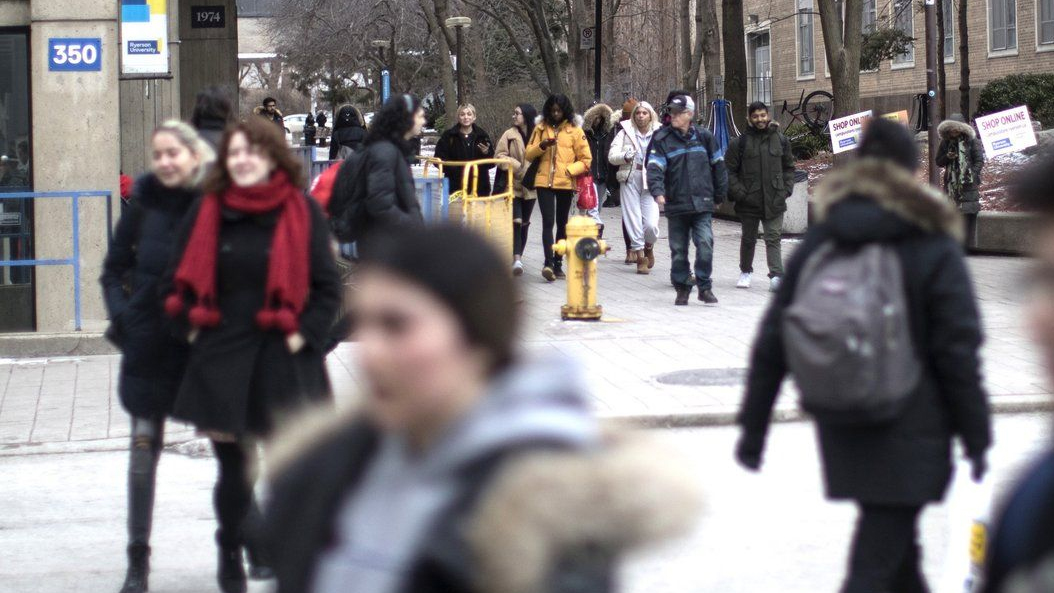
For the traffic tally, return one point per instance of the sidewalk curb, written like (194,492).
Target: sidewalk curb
(187,443)
(40,345)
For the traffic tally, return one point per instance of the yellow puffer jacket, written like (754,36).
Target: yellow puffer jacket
(562,162)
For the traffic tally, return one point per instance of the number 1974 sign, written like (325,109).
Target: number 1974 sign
(74,55)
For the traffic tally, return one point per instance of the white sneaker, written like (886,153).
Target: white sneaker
(774,284)
(517,268)
(744,281)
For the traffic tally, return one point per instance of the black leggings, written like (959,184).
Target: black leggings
(521,223)
(555,205)
(885,554)
(148,436)
(233,496)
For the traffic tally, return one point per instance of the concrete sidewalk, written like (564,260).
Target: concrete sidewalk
(70,404)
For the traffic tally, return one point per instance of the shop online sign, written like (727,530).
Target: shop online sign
(845,131)
(1006,132)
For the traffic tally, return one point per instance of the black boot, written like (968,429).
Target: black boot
(138,569)
(231,572)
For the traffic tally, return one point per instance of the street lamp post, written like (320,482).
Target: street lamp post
(457,23)
(381,45)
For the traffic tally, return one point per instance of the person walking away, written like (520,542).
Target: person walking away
(686,174)
(962,156)
(513,146)
(760,179)
(640,212)
(468,469)
(596,122)
(213,112)
(152,361)
(374,190)
(1020,556)
(563,152)
(349,134)
(255,291)
(271,112)
(466,141)
(916,372)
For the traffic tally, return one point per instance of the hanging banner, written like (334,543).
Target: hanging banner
(386,85)
(1006,132)
(845,131)
(144,37)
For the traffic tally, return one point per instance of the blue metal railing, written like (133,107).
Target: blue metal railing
(75,260)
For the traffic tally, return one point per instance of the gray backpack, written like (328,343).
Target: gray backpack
(847,336)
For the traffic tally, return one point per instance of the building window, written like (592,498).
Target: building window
(948,8)
(806,63)
(1045,26)
(904,21)
(870,15)
(256,7)
(1002,25)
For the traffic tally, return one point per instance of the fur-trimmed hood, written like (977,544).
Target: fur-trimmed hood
(949,125)
(629,493)
(595,114)
(892,188)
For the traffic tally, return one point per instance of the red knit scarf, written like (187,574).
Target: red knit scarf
(287,268)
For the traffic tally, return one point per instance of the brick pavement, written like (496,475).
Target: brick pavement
(71,404)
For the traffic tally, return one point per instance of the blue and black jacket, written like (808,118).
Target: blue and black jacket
(689,169)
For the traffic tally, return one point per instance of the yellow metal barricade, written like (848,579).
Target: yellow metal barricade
(489,215)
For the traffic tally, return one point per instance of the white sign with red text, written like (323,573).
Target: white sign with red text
(1006,132)
(845,131)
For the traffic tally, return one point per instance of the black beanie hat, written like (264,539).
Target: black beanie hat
(890,141)
(464,271)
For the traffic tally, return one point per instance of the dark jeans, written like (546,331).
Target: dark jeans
(147,438)
(697,227)
(555,205)
(885,555)
(773,252)
(521,223)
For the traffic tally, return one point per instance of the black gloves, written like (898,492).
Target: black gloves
(980,467)
(749,450)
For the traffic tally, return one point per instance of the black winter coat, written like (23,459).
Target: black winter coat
(454,146)
(760,172)
(351,136)
(688,169)
(908,461)
(153,361)
(390,194)
(239,376)
(969,200)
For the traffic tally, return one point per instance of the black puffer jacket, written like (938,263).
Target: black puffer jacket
(454,146)
(906,462)
(969,199)
(596,122)
(153,361)
(689,169)
(348,131)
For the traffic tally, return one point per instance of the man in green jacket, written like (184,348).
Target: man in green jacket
(760,179)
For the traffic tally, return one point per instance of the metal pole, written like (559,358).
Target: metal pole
(931,89)
(380,77)
(460,79)
(598,39)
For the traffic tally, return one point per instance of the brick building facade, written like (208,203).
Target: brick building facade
(785,50)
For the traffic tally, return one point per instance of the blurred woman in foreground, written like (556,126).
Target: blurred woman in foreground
(468,469)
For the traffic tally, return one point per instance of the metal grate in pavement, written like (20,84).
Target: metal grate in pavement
(705,377)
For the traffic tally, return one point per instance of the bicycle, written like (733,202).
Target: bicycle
(813,112)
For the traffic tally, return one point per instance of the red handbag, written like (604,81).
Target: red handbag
(587,192)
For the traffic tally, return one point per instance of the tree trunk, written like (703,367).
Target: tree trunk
(964,61)
(734,42)
(435,13)
(942,75)
(706,27)
(842,42)
(612,90)
(534,11)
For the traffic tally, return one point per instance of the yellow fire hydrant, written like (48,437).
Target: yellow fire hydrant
(581,248)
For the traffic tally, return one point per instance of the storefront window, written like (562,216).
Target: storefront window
(16,175)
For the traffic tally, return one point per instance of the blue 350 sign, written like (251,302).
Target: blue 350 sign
(75,54)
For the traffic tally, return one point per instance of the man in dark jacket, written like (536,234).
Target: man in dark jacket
(962,156)
(686,174)
(272,113)
(1020,557)
(760,179)
(893,469)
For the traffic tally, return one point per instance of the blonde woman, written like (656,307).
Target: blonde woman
(465,141)
(640,213)
(152,361)
(513,146)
